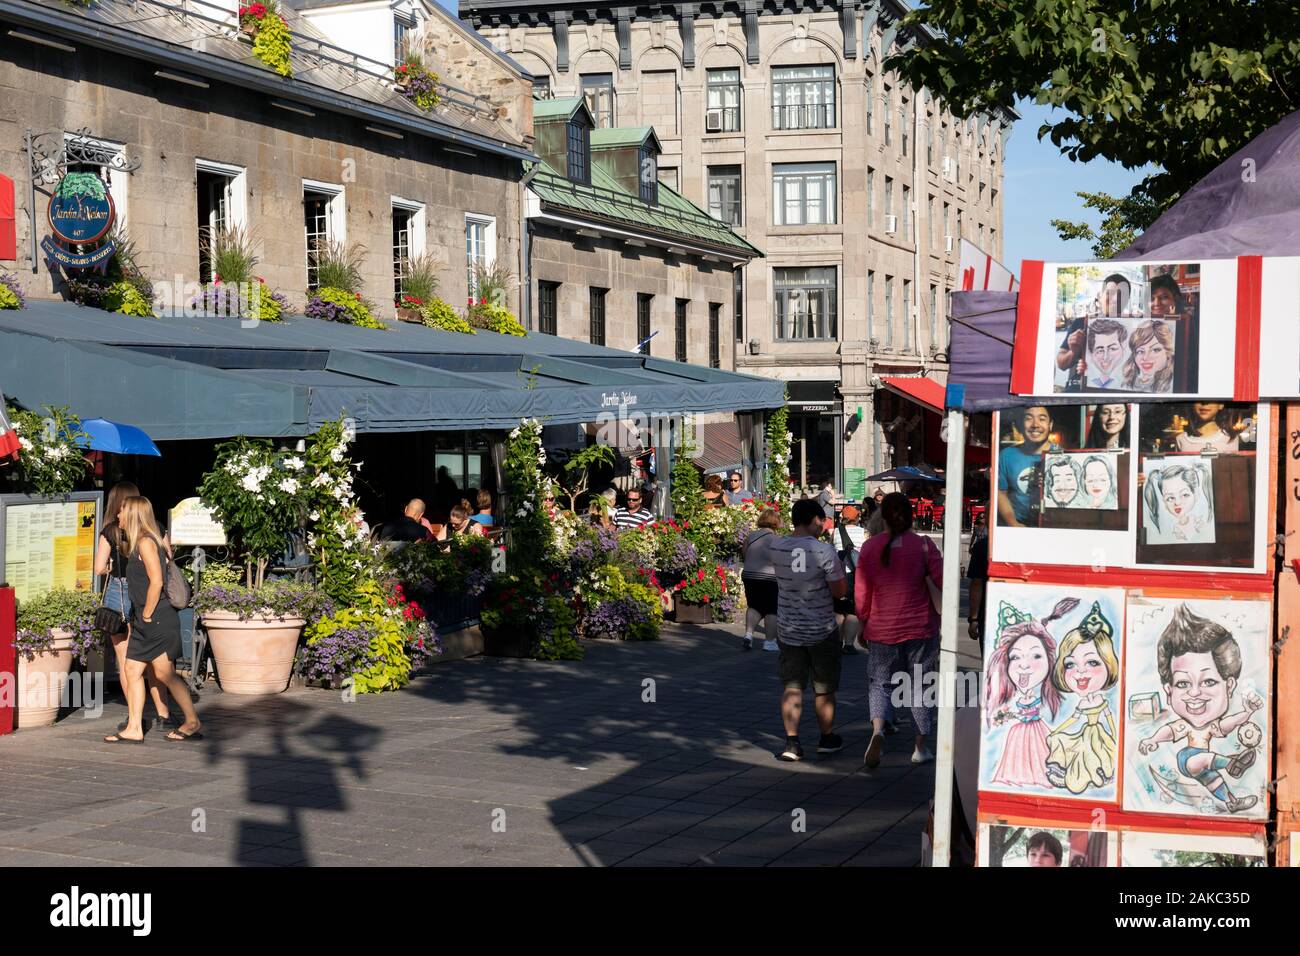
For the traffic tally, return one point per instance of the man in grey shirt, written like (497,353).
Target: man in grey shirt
(809,577)
(736,494)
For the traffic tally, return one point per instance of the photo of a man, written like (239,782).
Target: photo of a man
(1018,467)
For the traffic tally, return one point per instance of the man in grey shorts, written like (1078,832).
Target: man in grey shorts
(809,577)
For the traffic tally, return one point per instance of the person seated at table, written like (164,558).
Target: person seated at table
(459,523)
(713,489)
(409,527)
(636,514)
(484,514)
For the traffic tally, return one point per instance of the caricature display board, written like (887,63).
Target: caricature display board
(1161,849)
(1142,485)
(1014,841)
(1030,843)
(1051,701)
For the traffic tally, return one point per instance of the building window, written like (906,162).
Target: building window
(480,249)
(929,140)
(805,303)
(803,193)
(668,177)
(803,97)
(871,105)
(934,319)
(724,194)
(889,196)
(401,30)
(871,197)
(907,315)
(889,312)
(548,300)
(598,91)
(738,302)
(907,213)
(905,126)
(649,176)
(946,218)
(929,220)
(871,307)
(221,207)
(715,329)
(542,87)
(644,300)
(408,240)
(323,222)
(579,140)
(887,112)
(724,97)
(993,241)
(597,316)
(679,328)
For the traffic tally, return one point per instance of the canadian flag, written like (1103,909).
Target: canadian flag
(8,438)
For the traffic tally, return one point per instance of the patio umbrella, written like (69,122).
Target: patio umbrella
(103,435)
(908,473)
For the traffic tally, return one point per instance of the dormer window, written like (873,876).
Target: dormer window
(579,151)
(649,175)
(402,27)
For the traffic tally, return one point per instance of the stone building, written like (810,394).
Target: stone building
(168,104)
(617,257)
(778,119)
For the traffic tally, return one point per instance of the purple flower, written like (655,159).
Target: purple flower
(11,283)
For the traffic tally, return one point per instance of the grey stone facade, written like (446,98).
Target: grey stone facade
(660,67)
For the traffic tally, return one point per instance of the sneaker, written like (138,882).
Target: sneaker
(770,646)
(922,755)
(874,750)
(1241,763)
(830,743)
(747,644)
(1237,804)
(792,751)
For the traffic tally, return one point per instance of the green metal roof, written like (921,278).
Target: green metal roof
(674,216)
(623,136)
(562,108)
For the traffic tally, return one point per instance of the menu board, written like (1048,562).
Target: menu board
(49,544)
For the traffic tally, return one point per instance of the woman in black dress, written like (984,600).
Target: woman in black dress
(155,627)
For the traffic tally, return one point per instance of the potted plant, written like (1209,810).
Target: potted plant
(696,597)
(267,29)
(419,287)
(11,294)
(337,296)
(51,630)
(414,80)
(236,290)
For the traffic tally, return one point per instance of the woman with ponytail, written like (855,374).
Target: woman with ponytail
(899,574)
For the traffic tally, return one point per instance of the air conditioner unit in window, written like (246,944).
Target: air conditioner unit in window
(713,121)
(948,243)
(891,225)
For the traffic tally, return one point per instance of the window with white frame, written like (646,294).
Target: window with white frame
(803,193)
(724,96)
(889,312)
(223,206)
(324,222)
(803,97)
(724,194)
(408,240)
(403,27)
(480,249)
(598,91)
(117,179)
(907,213)
(871,197)
(804,303)
(907,315)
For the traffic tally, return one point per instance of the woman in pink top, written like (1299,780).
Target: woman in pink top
(899,621)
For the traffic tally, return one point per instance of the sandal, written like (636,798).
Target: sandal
(119,739)
(180,736)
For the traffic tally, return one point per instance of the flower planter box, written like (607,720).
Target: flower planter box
(253,656)
(512,643)
(686,613)
(40,682)
(409,314)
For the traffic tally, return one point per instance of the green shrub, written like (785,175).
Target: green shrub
(230,251)
(125,298)
(439,315)
(339,305)
(495,318)
(273,44)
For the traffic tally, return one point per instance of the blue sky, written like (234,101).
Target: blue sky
(1040,185)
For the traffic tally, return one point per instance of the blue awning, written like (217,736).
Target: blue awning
(183,378)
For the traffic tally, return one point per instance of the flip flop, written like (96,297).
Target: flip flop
(117,739)
(181,737)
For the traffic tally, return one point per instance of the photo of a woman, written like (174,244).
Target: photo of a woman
(1166,297)
(1150,365)
(1210,428)
(1108,427)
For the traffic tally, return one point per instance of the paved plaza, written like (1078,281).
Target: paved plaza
(484,761)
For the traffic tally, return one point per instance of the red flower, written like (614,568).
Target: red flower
(406,613)
(706,599)
(701,575)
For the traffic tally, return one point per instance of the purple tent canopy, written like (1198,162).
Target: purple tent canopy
(1240,209)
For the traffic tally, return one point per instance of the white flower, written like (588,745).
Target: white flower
(289,485)
(250,483)
(337,453)
(322,480)
(315,516)
(294,464)
(24,443)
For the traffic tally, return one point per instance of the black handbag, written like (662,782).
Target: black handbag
(108,621)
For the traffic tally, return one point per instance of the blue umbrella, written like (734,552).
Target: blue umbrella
(908,473)
(104,435)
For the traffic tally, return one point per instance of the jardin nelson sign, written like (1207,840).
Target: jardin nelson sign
(81,214)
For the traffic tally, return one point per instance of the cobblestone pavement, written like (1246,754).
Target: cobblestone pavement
(481,762)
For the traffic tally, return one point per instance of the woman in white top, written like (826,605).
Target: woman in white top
(759,578)
(1208,429)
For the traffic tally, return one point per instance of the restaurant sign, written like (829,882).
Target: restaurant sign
(81,214)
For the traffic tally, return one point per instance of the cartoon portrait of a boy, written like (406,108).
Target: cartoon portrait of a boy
(1199,664)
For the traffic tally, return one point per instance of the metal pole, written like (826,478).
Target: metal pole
(943,769)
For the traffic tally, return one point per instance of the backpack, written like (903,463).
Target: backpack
(175,588)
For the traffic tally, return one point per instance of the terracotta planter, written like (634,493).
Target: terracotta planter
(253,656)
(249,29)
(408,313)
(687,613)
(39,683)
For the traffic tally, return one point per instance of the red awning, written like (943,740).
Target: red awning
(924,391)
